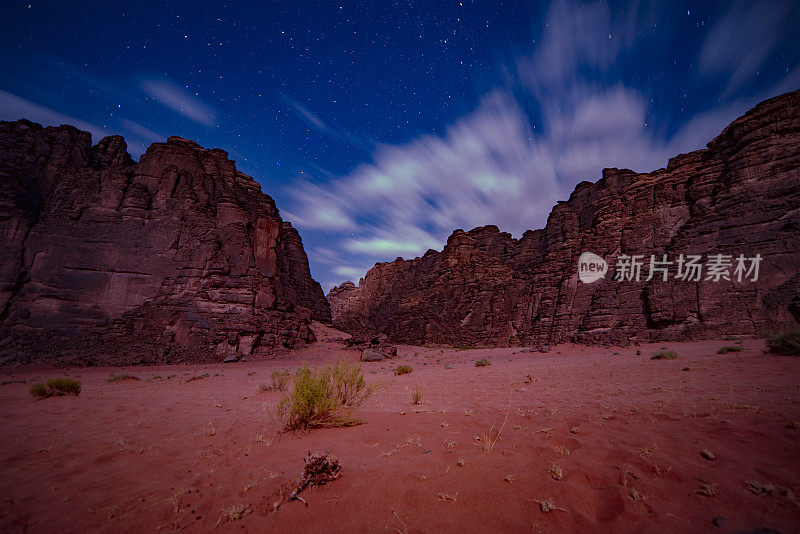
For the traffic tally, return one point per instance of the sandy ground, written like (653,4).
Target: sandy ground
(164,453)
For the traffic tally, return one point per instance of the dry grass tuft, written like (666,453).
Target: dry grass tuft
(198,377)
(729,348)
(447,497)
(280,379)
(483,362)
(233,513)
(555,471)
(547,505)
(403,370)
(121,377)
(707,490)
(416,396)
(664,354)
(56,387)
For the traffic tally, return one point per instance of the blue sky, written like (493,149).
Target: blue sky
(380,127)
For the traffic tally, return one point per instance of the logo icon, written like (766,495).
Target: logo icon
(591,267)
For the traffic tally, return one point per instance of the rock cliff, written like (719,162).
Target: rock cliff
(178,257)
(739,196)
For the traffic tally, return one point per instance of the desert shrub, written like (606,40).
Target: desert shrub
(279,379)
(416,396)
(786,342)
(348,382)
(120,377)
(403,370)
(40,390)
(483,362)
(56,386)
(665,354)
(323,397)
(729,348)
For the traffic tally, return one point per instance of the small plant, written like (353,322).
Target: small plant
(121,377)
(707,490)
(555,471)
(233,513)
(787,342)
(638,352)
(263,388)
(403,370)
(324,397)
(56,386)
(729,348)
(279,379)
(483,362)
(198,377)
(547,505)
(664,354)
(416,396)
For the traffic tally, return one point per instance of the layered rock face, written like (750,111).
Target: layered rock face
(178,257)
(739,196)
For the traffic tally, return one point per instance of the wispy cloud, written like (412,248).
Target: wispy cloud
(13,108)
(740,42)
(174,97)
(141,132)
(306,114)
(494,167)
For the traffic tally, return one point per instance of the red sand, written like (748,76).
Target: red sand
(627,432)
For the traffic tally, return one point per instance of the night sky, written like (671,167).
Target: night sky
(380,128)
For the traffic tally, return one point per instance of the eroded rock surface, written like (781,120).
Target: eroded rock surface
(740,195)
(177,257)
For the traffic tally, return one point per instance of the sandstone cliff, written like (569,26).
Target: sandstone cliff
(740,195)
(177,257)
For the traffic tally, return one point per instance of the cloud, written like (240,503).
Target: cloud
(145,134)
(352,273)
(13,107)
(177,99)
(306,114)
(738,45)
(565,113)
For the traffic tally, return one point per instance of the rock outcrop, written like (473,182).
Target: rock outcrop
(739,196)
(179,257)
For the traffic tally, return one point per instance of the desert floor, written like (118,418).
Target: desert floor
(627,433)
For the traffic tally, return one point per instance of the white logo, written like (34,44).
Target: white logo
(591,267)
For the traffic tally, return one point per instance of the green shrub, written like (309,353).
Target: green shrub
(324,397)
(729,348)
(483,362)
(280,379)
(56,386)
(665,354)
(349,385)
(403,370)
(40,390)
(786,342)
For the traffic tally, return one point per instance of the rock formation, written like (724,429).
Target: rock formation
(740,195)
(178,257)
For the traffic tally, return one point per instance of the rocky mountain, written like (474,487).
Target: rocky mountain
(177,257)
(738,197)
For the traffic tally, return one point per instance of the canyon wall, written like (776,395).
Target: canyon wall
(178,257)
(739,196)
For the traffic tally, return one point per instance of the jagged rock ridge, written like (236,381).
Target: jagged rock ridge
(177,257)
(740,195)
